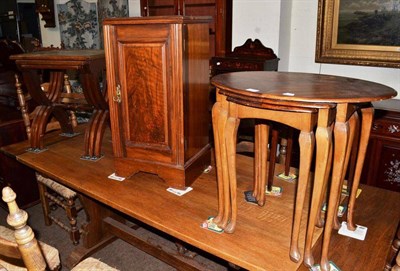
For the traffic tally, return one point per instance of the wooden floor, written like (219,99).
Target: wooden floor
(379,211)
(261,240)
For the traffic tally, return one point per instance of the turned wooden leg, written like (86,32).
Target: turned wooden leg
(28,246)
(23,107)
(231,128)
(341,135)
(396,267)
(68,89)
(367,115)
(306,142)
(394,250)
(45,203)
(323,158)
(72,215)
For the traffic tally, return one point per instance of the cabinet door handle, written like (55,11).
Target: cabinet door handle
(117,97)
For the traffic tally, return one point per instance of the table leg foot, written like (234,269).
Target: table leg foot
(336,223)
(230,228)
(308,259)
(351,226)
(295,254)
(320,222)
(325,265)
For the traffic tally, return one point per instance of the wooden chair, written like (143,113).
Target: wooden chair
(396,267)
(52,193)
(19,249)
(394,250)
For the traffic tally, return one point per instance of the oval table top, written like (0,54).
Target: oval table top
(301,87)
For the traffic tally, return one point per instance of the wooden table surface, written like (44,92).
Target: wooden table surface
(262,241)
(302,87)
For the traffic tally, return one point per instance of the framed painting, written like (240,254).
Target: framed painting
(359,32)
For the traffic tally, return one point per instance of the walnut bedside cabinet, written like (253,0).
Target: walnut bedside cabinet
(158,77)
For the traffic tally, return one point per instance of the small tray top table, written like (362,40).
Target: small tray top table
(90,64)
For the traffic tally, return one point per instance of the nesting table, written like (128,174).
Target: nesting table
(302,101)
(90,64)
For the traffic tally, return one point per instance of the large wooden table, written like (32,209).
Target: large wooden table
(260,243)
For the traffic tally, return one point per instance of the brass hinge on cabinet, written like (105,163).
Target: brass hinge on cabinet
(117,97)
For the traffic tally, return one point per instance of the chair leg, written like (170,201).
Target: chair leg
(45,203)
(72,215)
(394,250)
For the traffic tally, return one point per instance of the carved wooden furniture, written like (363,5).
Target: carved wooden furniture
(220,27)
(22,245)
(383,156)
(12,173)
(93,236)
(53,195)
(251,56)
(394,250)
(285,92)
(90,65)
(28,113)
(396,267)
(157,72)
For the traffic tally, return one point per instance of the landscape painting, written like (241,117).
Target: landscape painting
(359,32)
(369,22)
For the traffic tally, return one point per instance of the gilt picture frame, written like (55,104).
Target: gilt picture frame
(359,32)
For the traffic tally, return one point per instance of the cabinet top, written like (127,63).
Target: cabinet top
(175,19)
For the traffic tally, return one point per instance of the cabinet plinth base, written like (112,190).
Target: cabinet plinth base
(176,176)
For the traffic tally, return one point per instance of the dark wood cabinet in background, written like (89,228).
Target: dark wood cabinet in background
(220,28)
(158,80)
(12,173)
(382,164)
(251,56)
(12,130)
